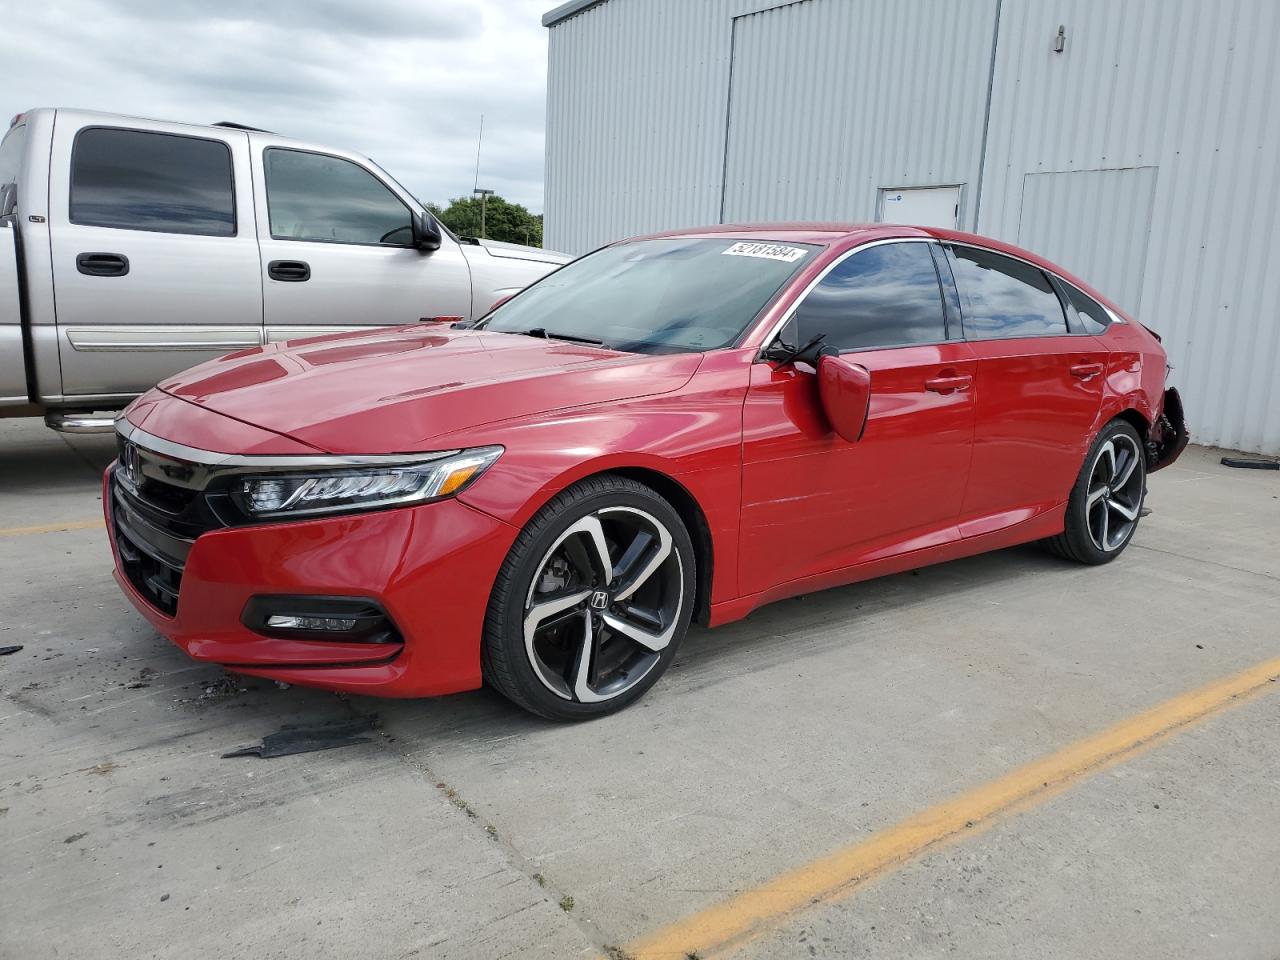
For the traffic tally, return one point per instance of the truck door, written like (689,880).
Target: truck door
(155,258)
(337,252)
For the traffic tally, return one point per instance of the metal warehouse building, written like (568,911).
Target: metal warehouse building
(1136,142)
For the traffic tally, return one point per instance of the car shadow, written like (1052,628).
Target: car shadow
(774,634)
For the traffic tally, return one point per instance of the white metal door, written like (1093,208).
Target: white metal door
(1094,223)
(921,206)
(155,259)
(335,241)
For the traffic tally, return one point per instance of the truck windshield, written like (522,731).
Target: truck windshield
(670,295)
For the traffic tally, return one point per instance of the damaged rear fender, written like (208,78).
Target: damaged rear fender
(1169,435)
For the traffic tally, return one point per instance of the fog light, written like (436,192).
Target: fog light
(337,624)
(320,619)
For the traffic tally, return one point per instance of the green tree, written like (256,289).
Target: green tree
(502,220)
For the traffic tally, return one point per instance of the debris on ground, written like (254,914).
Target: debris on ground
(74,837)
(224,688)
(143,679)
(5,651)
(297,738)
(1250,464)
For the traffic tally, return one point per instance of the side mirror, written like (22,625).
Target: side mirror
(845,390)
(426,232)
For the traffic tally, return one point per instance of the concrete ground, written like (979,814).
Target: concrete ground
(470,829)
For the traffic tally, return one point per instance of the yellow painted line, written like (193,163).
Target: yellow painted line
(52,527)
(733,923)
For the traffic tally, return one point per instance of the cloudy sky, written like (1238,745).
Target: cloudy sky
(403,81)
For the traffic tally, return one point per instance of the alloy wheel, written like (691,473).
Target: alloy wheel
(1115,493)
(603,605)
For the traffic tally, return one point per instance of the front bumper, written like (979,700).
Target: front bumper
(430,567)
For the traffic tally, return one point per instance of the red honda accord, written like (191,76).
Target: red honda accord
(673,428)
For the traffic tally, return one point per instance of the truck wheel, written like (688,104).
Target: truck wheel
(591,603)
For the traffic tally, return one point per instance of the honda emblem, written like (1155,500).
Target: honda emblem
(131,461)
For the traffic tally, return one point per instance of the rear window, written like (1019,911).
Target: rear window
(138,180)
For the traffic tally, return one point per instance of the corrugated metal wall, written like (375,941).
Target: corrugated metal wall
(817,128)
(1145,157)
(1190,88)
(635,119)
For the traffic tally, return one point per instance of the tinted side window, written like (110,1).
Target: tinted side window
(137,180)
(315,197)
(1093,318)
(1003,297)
(880,297)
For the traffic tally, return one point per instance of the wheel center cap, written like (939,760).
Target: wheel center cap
(599,600)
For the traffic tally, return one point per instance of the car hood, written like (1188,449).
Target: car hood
(518,251)
(407,389)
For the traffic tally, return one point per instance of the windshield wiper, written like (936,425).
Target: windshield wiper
(549,335)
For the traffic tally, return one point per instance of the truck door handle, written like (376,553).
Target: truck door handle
(294,271)
(1085,371)
(948,384)
(102,264)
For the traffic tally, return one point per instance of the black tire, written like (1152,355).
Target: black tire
(506,661)
(1080,539)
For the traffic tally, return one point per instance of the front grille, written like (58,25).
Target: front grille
(153,541)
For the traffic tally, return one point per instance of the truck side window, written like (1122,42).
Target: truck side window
(160,182)
(311,196)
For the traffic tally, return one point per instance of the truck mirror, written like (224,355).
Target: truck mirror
(426,232)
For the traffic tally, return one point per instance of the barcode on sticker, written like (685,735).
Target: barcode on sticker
(766,251)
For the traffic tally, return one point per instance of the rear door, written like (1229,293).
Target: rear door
(814,503)
(155,262)
(1039,389)
(337,251)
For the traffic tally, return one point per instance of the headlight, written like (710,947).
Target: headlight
(361,488)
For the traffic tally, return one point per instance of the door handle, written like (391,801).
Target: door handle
(948,384)
(292,271)
(1085,371)
(102,264)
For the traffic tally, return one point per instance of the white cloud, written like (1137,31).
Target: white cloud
(403,81)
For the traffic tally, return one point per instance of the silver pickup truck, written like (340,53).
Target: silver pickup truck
(131,249)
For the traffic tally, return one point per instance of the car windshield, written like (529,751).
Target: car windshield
(671,295)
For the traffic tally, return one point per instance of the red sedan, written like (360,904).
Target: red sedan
(673,428)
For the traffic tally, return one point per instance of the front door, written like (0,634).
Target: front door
(814,503)
(337,250)
(155,261)
(1039,390)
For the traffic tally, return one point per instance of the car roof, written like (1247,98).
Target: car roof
(841,236)
(822,233)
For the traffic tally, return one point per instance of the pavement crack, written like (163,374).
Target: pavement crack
(1215,563)
(512,854)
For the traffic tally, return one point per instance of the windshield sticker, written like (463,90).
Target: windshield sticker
(765,251)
